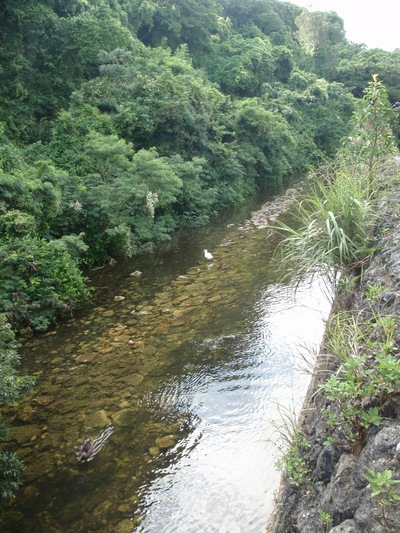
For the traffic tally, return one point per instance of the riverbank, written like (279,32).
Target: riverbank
(336,496)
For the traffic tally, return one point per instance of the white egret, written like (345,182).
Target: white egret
(207,255)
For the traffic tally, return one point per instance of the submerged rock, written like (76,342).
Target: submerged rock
(97,419)
(166,442)
(124,417)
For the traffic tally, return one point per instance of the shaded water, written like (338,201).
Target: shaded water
(186,363)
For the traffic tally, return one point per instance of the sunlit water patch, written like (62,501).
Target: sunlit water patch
(225,477)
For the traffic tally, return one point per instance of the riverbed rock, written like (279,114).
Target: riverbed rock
(164,443)
(125,526)
(24,434)
(85,358)
(154,451)
(133,379)
(124,417)
(96,420)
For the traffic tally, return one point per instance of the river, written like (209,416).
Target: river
(178,371)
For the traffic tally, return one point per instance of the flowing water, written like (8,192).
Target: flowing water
(176,373)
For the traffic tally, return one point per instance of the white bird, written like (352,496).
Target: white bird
(207,255)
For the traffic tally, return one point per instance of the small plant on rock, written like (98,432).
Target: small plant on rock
(293,445)
(368,375)
(383,488)
(294,461)
(374,292)
(326,519)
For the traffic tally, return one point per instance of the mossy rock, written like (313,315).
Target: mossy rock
(85,358)
(154,451)
(125,526)
(164,443)
(133,379)
(125,417)
(98,419)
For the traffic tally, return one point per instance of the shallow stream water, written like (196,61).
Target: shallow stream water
(179,370)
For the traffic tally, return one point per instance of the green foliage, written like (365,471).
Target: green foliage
(383,488)
(321,35)
(12,387)
(265,139)
(336,218)
(294,460)
(326,519)
(293,445)
(10,472)
(367,377)
(40,282)
(372,123)
(241,65)
(374,291)
(186,21)
(334,224)
(358,64)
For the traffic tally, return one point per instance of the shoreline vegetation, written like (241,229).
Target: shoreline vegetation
(348,228)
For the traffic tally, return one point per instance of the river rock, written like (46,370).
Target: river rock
(133,379)
(23,434)
(166,442)
(43,400)
(85,358)
(124,417)
(125,526)
(26,413)
(154,451)
(96,420)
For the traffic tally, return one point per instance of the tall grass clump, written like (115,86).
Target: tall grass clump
(335,219)
(334,222)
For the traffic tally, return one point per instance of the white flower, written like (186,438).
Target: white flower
(76,206)
(151,202)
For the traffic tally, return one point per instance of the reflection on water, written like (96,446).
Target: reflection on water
(225,478)
(186,363)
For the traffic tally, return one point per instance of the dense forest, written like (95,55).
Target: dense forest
(122,121)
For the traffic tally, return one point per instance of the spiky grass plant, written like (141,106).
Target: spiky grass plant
(334,224)
(343,337)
